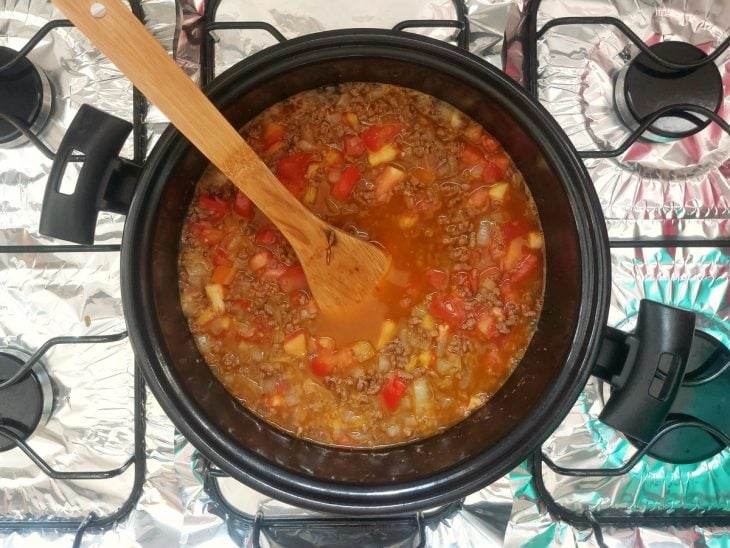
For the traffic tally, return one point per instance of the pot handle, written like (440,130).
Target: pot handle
(645,368)
(105,183)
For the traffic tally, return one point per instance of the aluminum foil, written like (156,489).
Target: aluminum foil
(43,295)
(697,279)
(46,295)
(671,189)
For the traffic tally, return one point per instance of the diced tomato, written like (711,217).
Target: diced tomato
(223,275)
(320,367)
(376,137)
(343,187)
(523,270)
(293,279)
(500,160)
(196,228)
(461,277)
(292,170)
(479,198)
(490,144)
(242,206)
(267,235)
(424,174)
(260,259)
(211,236)
(274,271)
(215,207)
(514,229)
(448,309)
(240,304)
(220,258)
(508,291)
(273,132)
(471,156)
(437,279)
(393,391)
(492,273)
(492,172)
(353,145)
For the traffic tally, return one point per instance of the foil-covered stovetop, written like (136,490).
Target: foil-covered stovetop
(678,188)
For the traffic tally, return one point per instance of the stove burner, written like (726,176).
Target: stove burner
(25,404)
(25,93)
(643,87)
(702,395)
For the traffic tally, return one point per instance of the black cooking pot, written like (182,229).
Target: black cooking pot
(565,349)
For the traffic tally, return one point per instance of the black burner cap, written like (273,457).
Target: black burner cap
(21,94)
(702,395)
(649,87)
(21,405)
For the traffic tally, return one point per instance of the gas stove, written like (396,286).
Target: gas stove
(86,454)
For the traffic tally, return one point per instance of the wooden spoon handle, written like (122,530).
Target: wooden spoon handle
(126,42)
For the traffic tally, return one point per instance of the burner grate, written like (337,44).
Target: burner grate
(585,516)
(136,461)
(529,38)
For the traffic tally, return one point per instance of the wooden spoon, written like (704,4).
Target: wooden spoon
(341,269)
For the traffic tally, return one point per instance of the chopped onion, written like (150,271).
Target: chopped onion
(305,146)
(443,366)
(393,430)
(483,233)
(383,363)
(421,395)
(334,175)
(334,117)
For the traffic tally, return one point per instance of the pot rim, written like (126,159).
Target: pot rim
(467,476)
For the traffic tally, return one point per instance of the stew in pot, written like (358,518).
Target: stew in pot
(414,175)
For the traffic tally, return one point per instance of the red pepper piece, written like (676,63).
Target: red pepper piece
(242,206)
(215,207)
(437,279)
(220,258)
(471,156)
(448,309)
(524,269)
(291,171)
(343,187)
(491,173)
(514,229)
(293,279)
(392,392)
(320,367)
(353,145)
(376,137)
(223,275)
(267,235)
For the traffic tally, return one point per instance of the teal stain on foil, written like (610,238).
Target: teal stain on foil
(550,536)
(698,282)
